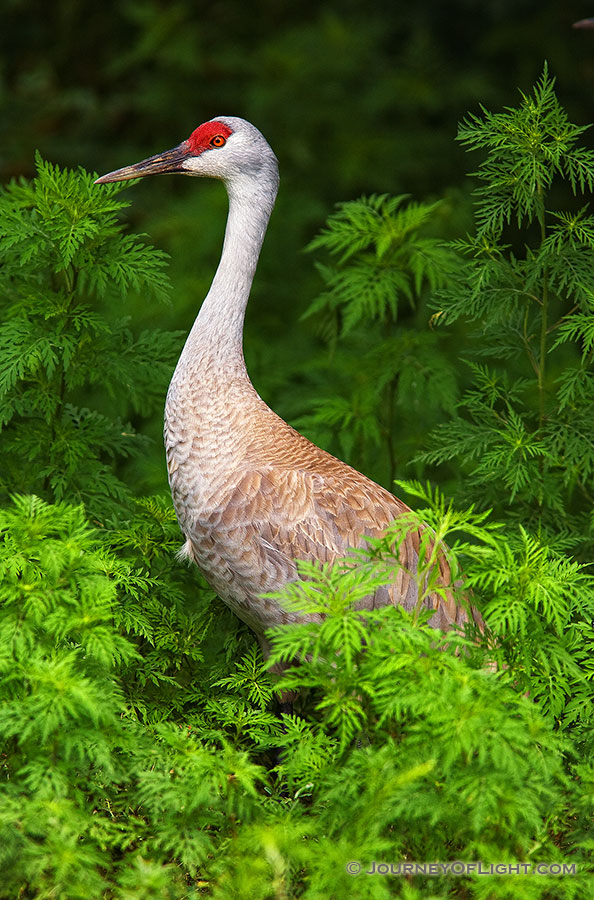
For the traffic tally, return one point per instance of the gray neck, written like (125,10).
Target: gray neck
(217,335)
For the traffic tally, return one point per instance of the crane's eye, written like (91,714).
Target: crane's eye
(218,141)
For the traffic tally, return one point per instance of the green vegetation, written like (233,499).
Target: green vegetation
(62,251)
(142,753)
(527,285)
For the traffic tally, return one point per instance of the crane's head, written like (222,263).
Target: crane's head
(225,147)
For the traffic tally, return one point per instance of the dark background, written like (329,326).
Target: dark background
(354,98)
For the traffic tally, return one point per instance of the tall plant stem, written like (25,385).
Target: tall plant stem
(389,435)
(544,324)
(390,401)
(543,350)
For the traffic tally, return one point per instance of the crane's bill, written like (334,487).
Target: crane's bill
(168,162)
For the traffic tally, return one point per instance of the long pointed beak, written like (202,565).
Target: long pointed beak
(167,162)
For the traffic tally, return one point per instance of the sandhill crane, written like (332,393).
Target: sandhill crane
(251,494)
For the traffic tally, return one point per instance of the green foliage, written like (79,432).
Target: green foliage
(62,250)
(392,377)
(527,284)
(411,748)
(84,781)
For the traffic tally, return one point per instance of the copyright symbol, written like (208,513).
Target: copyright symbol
(353,868)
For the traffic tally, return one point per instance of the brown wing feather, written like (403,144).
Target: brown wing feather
(306,508)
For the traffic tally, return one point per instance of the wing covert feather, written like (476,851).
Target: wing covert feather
(274,515)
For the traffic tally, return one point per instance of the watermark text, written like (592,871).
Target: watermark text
(459,868)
